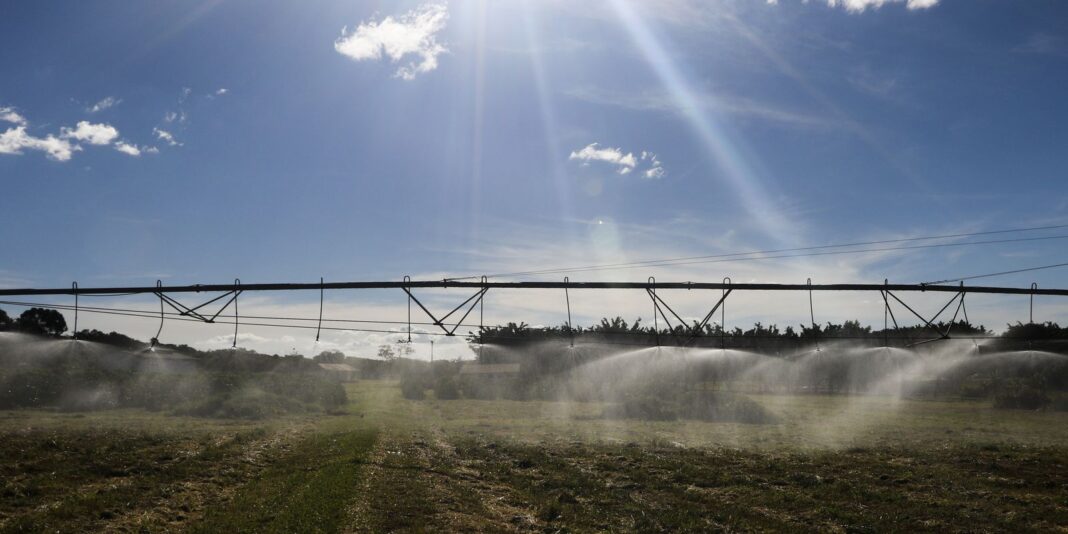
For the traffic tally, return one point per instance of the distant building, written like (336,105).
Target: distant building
(342,371)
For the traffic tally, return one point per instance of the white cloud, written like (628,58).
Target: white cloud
(94,134)
(221,91)
(412,33)
(172,116)
(15,140)
(150,150)
(62,147)
(656,169)
(857,6)
(125,148)
(12,116)
(107,102)
(625,162)
(179,115)
(166,136)
(615,156)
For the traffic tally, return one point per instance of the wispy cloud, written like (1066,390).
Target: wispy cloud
(858,6)
(1044,44)
(166,137)
(12,116)
(131,149)
(105,103)
(656,169)
(625,163)
(179,115)
(869,82)
(128,149)
(713,102)
(413,33)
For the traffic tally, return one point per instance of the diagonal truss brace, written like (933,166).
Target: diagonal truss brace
(192,312)
(695,331)
(473,300)
(958,297)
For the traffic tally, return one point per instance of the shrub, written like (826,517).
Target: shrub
(89,399)
(249,403)
(723,406)
(74,386)
(1021,398)
(158,391)
(446,387)
(413,384)
(645,407)
(29,387)
(699,405)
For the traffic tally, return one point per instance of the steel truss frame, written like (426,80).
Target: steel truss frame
(661,308)
(659,304)
(474,300)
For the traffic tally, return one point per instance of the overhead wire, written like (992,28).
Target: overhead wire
(785,256)
(990,275)
(762,254)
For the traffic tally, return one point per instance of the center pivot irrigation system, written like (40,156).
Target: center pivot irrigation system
(684,333)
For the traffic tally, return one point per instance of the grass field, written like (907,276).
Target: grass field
(832,464)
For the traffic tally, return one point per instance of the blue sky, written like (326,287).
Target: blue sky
(510,135)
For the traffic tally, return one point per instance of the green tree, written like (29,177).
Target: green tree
(330,356)
(404,349)
(386,353)
(42,321)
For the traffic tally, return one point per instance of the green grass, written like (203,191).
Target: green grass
(390,464)
(305,490)
(72,473)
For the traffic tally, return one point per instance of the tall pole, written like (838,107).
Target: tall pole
(431,351)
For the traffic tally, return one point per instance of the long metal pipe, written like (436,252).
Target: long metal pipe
(199,288)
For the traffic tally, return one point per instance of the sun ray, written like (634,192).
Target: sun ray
(726,153)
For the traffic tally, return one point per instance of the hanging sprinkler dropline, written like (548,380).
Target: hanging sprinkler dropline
(319,328)
(74,287)
(155,339)
(567,299)
(1031,316)
(723,313)
(237,319)
(652,293)
(812,315)
(407,280)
